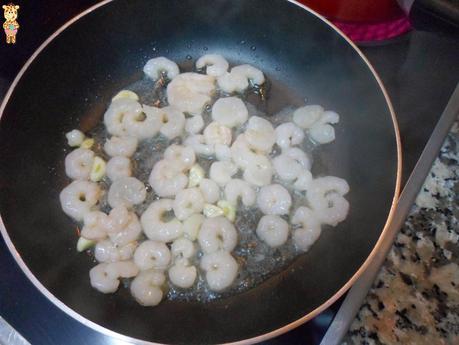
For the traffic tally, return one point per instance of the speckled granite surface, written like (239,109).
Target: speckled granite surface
(415,298)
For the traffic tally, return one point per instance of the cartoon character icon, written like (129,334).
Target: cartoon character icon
(11,26)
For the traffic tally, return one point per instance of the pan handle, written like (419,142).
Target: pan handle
(433,15)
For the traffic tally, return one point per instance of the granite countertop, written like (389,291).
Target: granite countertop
(415,297)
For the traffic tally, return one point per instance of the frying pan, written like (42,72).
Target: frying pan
(69,82)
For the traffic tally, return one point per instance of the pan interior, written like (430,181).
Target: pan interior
(70,84)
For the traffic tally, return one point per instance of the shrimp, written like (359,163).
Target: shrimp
(238,79)
(94,225)
(75,138)
(288,134)
(194,125)
(105,276)
(304,237)
(216,133)
(114,116)
(222,152)
(154,225)
(78,164)
(291,163)
(230,112)
(210,190)
(183,155)
(187,202)
(190,92)
(221,269)
(121,146)
(322,134)
(118,167)
(325,196)
(183,248)
(303,181)
(221,172)
(173,122)
(241,153)
(272,230)
(167,178)
(118,219)
(192,225)
(146,287)
(197,143)
(182,274)
(79,198)
(260,134)
(259,172)
(217,233)
(305,117)
(156,66)
(128,233)
(152,254)
(107,251)
(144,124)
(127,191)
(215,64)
(237,188)
(274,199)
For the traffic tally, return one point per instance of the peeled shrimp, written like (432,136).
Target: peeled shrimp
(78,164)
(79,198)
(217,233)
(221,269)
(241,153)
(197,143)
(107,251)
(182,274)
(114,116)
(118,219)
(325,194)
(127,191)
(182,248)
(230,112)
(94,225)
(146,287)
(222,152)
(183,155)
(210,190)
(303,182)
(192,225)
(215,64)
(260,134)
(237,188)
(291,163)
(187,202)
(190,92)
(288,134)
(128,233)
(118,167)
(121,146)
(305,117)
(221,172)
(154,67)
(173,122)
(259,171)
(194,125)
(322,134)
(144,124)
(105,276)
(238,79)
(305,237)
(272,230)
(152,254)
(167,178)
(274,199)
(216,133)
(155,227)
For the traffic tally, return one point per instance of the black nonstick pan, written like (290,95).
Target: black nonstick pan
(69,82)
